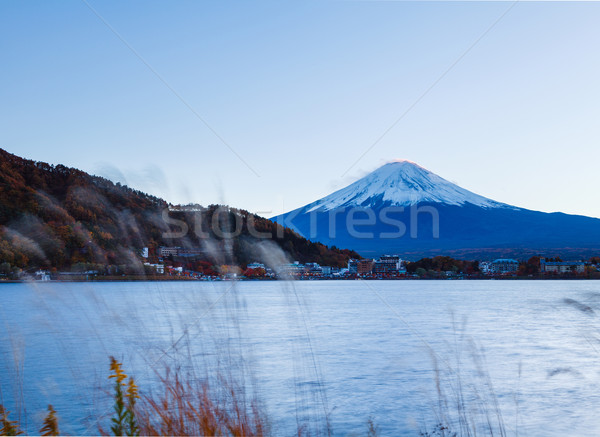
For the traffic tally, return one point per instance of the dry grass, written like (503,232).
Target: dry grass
(194,407)
(467,404)
(8,426)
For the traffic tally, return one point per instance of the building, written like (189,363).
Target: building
(42,275)
(485,267)
(189,252)
(255,265)
(504,266)
(561,267)
(387,264)
(168,251)
(364,267)
(352,266)
(294,269)
(313,269)
(159,268)
(180,251)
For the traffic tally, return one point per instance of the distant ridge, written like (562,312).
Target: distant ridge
(470,225)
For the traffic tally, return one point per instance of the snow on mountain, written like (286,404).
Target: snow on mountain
(401,183)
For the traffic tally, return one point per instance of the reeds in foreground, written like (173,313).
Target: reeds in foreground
(467,404)
(12,428)
(50,427)
(191,408)
(9,427)
(124,422)
(183,407)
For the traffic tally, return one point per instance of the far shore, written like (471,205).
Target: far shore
(187,279)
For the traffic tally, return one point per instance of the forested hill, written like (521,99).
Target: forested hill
(55,216)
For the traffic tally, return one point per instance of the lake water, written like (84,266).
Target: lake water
(349,349)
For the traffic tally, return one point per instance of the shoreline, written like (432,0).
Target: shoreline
(184,279)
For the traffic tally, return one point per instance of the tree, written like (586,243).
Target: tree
(530,268)
(5,269)
(255,273)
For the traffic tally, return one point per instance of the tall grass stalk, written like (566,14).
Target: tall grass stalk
(9,427)
(195,407)
(467,405)
(50,427)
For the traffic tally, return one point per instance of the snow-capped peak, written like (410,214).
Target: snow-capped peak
(401,183)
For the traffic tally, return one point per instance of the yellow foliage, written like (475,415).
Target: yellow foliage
(117,370)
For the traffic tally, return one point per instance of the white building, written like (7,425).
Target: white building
(352,266)
(42,275)
(389,264)
(485,267)
(160,268)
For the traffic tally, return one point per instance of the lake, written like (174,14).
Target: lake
(347,350)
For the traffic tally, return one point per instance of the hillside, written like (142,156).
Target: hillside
(56,217)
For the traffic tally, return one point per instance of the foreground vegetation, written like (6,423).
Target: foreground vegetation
(195,407)
(183,408)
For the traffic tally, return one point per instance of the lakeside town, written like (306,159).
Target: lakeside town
(173,263)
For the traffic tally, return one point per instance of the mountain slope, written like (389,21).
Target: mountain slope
(55,216)
(401,183)
(406,209)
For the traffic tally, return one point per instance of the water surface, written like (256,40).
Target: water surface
(349,349)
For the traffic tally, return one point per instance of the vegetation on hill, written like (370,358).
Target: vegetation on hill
(431,267)
(52,216)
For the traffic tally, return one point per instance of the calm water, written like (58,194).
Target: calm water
(355,349)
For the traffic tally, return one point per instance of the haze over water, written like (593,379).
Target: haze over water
(352,348)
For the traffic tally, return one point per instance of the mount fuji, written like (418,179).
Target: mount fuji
(403,208)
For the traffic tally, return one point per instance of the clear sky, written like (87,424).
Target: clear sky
(506,104)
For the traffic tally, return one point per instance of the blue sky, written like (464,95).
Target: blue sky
(301,90)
